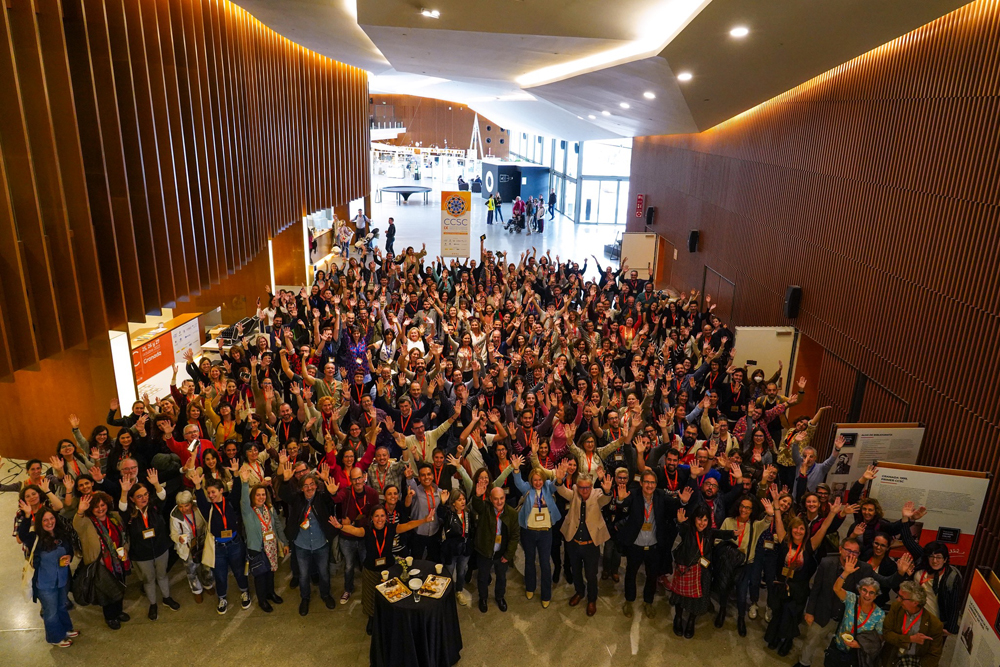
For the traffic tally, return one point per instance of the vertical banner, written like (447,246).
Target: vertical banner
(153,361)
(953,498)
(979,634)
(456,224)
(866,443)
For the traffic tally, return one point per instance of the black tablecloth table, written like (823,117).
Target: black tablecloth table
(416,634)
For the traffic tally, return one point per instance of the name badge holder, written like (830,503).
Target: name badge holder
(149,533)
(269,536)
(703,562)
(649,526)
(540,518)
(225,534)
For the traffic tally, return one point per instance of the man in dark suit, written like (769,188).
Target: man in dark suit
(496,541)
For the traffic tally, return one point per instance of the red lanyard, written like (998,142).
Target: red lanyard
(701,550)
(423,448)
(227,430)
(225,524)
(327,424)
(864,622)
(742,529)
(361,507)
(257,469)
(266,525)
(925,577)
(286,427)
(385,536)
(590,460)
(437,475)
(671,484)
(463,525)
(380,481)
(191,522)
(499,523)
(145,519)
(430,500)
(791,559)
(916,619)
(647,511)
(403,425)
(76,467)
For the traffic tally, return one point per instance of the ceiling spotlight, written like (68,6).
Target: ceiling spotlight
(739,31)
(591,116)
(624,105)
(605,113)
(430,13)
(684,76)
(649,95)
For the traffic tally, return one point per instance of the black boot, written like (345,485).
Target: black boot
(678,622)
(371,625)
(689,627)
(720,618)
(785,647)
(741,625)
(555,574)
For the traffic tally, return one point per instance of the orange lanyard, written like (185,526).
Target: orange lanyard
(385,536)
(145,519)
(701,549)
(647,511)
(380,481)
(360,507)
(266,525)
(742,529)
(257,469)
(590,461)
(227,430)
(864,622)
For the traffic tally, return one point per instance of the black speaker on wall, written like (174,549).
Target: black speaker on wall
(650,215)
(693,238)
(793,299)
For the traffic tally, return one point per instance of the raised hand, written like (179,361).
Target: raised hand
(768,507)
(685,494)
(850,565)
(908,510)
(445,494)
(681,515)
(839,442)
(74,421)
(84,505)
(869,474)
(336,524)
(905,564)
(517,461)
(153,476)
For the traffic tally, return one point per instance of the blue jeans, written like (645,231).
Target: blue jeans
(318,559)
(539,541)
(353,551)
(231,555)
(55,614)
(459,567)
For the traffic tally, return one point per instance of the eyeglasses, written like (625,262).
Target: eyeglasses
(851,552)
(880,545)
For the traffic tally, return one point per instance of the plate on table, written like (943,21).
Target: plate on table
(393,590)
(414,572)
(415,584)
(434,586)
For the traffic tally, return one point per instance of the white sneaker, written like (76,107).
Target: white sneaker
(223,606)
(752,613)
(767,615)
(463,598)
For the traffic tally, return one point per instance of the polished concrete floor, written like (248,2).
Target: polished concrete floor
(526,634)
(418,223)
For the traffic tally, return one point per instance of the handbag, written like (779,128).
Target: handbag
(259,563)
(83,583)
(208,551)
(28,575)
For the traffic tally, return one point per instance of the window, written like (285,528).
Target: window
(607,158)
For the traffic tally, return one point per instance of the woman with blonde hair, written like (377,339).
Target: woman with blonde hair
(537,514)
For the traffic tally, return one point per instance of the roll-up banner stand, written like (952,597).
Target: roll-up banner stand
(979,634)
(953,498)
(867,443)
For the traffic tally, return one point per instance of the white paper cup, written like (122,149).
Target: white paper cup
(385,575)
(439,568)
(409,560)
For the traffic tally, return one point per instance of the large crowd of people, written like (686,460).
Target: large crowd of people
(461,412)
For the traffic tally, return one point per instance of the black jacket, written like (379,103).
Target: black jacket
(323,508)
(823,603)
(665,509)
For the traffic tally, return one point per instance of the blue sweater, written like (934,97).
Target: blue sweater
(531,500)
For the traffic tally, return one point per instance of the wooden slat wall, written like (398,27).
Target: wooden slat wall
(431,121)
(150,148)
(875,188)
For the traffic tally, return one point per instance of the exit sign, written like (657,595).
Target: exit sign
(640,205)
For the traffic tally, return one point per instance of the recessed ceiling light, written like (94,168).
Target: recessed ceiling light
(605,113)
(430,13)
(649,95)
(624,105)
(580,117)
(592,117)
(739,31)
(684,76)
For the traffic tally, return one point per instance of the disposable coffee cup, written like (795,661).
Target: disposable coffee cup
(439,568)
(409,560)
(385,575)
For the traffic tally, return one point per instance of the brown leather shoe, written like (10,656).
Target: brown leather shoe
(615,578)
(575,600)
(591,608)
(198,597)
